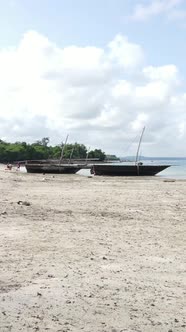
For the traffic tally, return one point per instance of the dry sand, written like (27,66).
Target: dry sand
(92,254)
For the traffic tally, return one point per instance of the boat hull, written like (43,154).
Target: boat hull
(128,170)
(53,169)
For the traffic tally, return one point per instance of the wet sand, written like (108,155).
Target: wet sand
(92,254)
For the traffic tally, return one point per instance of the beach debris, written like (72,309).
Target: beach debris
(39,294)
(3,213)
(23,203)
(169,180)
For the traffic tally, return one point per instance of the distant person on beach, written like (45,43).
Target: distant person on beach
(18,166)
(9,167)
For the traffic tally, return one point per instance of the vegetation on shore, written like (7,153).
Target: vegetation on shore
(19,151)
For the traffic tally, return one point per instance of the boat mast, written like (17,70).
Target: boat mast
(63,147)
(137,154)
(87,156)
(71,155)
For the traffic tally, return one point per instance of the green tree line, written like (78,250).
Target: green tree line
(20,151)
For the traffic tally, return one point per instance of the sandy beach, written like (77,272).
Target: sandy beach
(92,254)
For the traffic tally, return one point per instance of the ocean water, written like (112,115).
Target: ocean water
(176,171)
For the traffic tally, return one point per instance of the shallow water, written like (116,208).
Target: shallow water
(176,171)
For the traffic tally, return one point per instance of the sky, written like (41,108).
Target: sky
(98,70)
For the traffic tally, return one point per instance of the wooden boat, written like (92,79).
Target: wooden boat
(50,167)
(127,170)
(136,169)
(60,166)
(55,166)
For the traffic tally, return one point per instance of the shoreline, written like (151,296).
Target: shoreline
(162,175)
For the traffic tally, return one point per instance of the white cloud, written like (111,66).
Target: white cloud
(167,73)
(126,54)
(137,124)
(144,11)
(90,93)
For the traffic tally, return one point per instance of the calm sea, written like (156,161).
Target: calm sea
(176,171)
